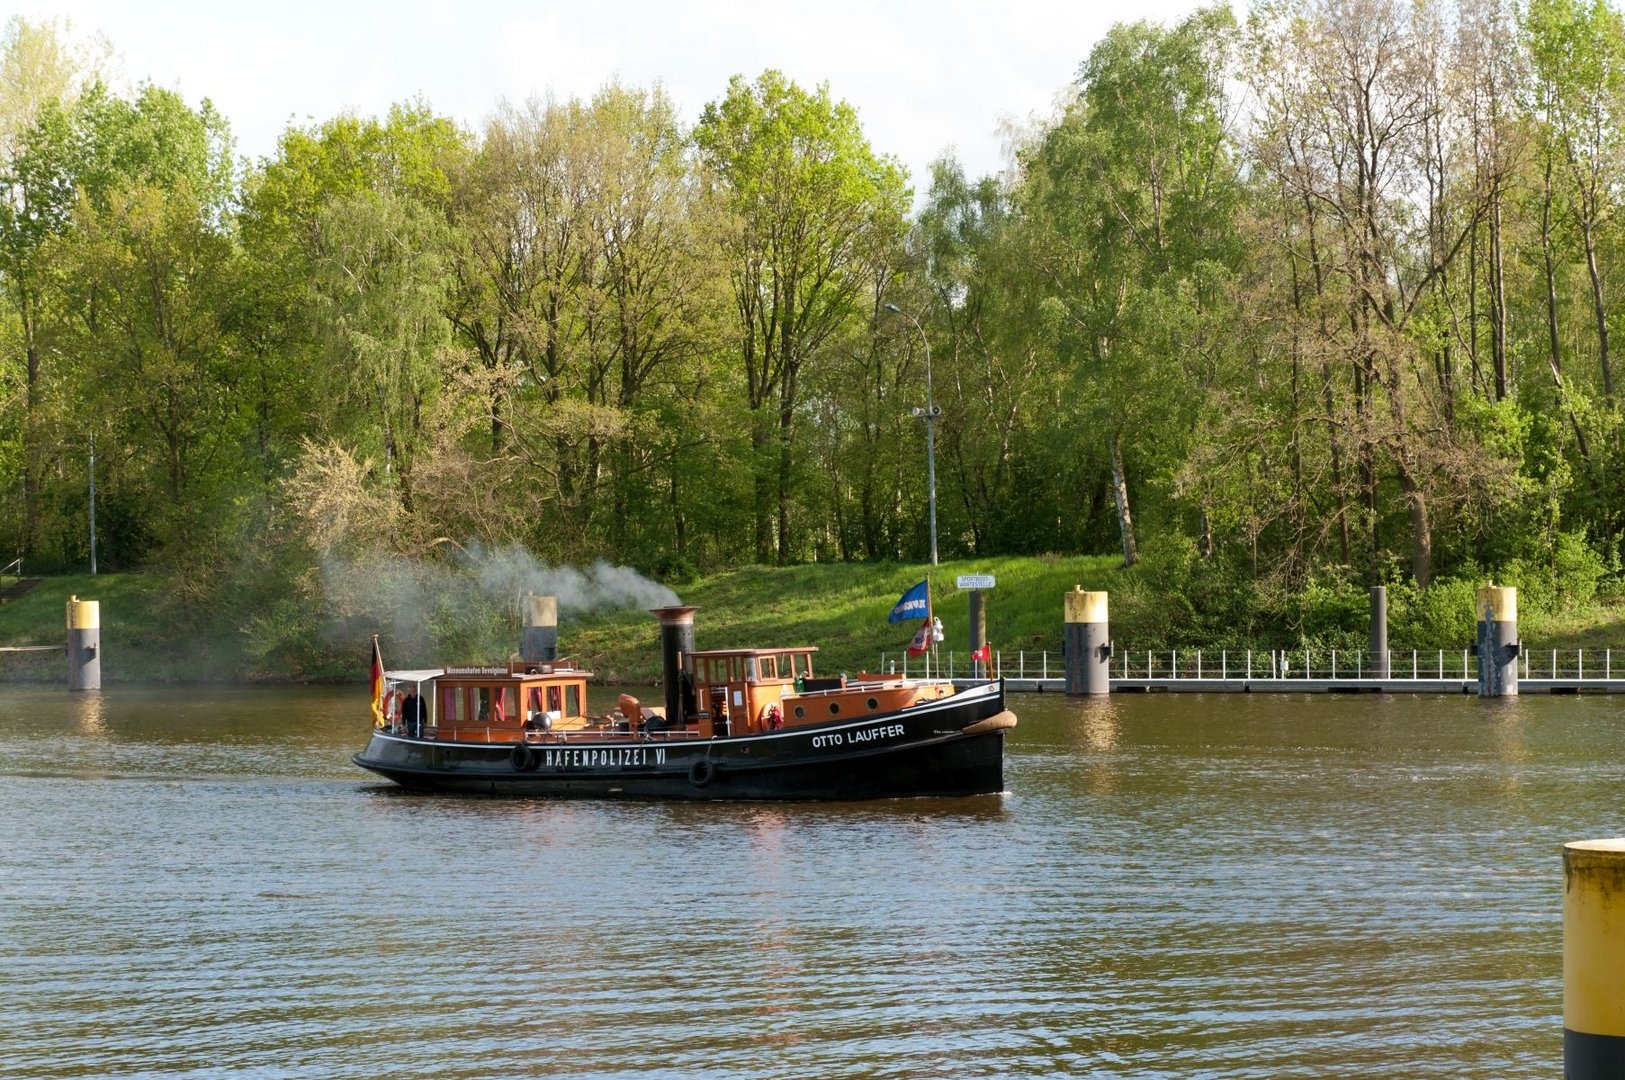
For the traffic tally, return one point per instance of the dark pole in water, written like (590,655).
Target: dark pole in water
(84,644)
(978,630)
(1498,644)
(541,635)
(1087,643)
(676,642)
(1379,632)
(1594,959)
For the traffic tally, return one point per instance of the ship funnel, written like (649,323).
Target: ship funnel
(540,640)
(676,643)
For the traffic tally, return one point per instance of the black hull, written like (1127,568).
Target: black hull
(923,750)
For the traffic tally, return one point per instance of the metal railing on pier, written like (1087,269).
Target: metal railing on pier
(1272,664)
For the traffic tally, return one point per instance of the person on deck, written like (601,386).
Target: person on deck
(413,714)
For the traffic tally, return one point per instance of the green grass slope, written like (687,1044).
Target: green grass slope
(155,632)
(842,609)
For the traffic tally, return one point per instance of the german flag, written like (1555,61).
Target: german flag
(377,684)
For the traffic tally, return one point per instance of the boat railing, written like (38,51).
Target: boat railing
(1262,664)
(494,736)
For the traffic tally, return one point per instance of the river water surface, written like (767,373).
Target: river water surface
(198,883)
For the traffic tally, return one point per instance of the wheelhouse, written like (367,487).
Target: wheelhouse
(486,704)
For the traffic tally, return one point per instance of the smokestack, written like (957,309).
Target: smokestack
(541,634)
(676,642)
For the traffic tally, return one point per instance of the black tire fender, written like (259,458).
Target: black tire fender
(523,759)
(702,772)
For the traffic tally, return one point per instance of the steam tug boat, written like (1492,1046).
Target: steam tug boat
(737,724)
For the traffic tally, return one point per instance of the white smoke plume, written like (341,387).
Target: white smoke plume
(468,608)
(511,571)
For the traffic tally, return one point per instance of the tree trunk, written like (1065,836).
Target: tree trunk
(1588,234)
(1498,299)
(762,519)
(1125,520)
(1421,527)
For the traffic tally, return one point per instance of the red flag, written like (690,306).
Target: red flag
(984,654)
(922,641)
(377,684)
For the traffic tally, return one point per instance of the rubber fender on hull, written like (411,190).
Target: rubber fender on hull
(996,722)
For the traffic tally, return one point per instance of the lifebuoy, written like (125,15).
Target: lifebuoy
(392,706)
(771,719)
(702,772)
(523,759)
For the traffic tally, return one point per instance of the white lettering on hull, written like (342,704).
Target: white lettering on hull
(858,737)
(602,757)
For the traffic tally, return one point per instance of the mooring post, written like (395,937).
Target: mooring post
(1498,644)
(1379,632)
(1088,643)
(540,640)
(978,631)
(84,644)
(1594,959)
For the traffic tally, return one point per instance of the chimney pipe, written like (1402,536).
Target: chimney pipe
(540,640)
(676,642)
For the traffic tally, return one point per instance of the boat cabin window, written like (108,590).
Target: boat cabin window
(559,699)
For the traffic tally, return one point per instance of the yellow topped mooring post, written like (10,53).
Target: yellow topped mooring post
(1594,959)
(84,644)
(541,636)
(1087,643)
(1498,644)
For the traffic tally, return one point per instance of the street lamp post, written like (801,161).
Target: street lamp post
(92,504)
(930,414)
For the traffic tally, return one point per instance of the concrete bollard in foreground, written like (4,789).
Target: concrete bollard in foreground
(84,644)
(541,634)
(1087,643)
(1498,644)
(1594,959)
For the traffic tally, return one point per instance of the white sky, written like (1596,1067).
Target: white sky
(924,76)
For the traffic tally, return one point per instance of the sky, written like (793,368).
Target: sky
(925,77)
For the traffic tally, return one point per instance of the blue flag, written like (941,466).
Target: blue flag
(915,604)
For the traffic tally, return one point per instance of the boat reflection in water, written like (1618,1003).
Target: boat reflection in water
(736,724)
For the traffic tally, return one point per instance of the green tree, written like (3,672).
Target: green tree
(1136,187)
(806,198)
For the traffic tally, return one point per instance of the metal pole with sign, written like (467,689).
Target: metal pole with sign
(977,584)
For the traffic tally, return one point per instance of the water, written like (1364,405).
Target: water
(197,883)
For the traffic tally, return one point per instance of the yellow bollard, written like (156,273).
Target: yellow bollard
(1594,959)
(1498,644)
(1087,642)
(84,644)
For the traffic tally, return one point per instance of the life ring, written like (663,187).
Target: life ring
(771,719)
(523,759)
(392,706)
(702,772)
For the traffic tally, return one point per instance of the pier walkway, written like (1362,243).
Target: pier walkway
(1291,671)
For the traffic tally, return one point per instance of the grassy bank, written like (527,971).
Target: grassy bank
(153,632)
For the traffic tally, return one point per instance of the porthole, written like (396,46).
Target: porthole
(834,709)
(874,704)
(801,713)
